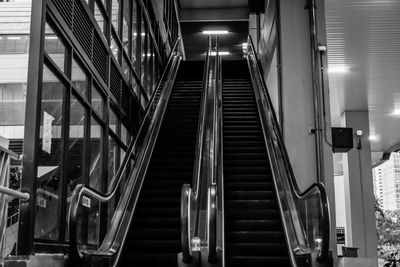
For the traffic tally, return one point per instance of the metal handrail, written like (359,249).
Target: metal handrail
(14,193)
(323,254)
(82,189)
(194,189)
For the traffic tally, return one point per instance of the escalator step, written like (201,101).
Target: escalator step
(253,228)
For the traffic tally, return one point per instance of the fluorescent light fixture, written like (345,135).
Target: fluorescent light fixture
(14,38)
(338,69)
(51,37)
(372,137)
(221,53)
(396,111)
(215,32)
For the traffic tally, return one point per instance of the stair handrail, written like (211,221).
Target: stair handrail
(318,187)
(81,189)
(6,194)
(191,194)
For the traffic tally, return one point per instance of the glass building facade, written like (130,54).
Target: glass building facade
(88,69)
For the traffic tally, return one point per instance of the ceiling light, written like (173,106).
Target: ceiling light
(396,111)
(51,37)
(338,69)
(215,32)
(221,53)
(372,137)
(142,34)
(244,45)
(14,38)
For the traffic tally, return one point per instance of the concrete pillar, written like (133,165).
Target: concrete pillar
(359,191)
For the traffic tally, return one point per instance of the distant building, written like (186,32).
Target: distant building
(387,182)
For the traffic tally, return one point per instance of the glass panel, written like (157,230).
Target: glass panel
(143,48)
(124,136)
(134,85)
(49,158)
(75,145)
(95,179)
(125,67)
(134,36)
(125,28)
(113,121)
(97,101)
(54,47)
(75,152)
(98,15)
(95,155)
(114,47)
(79,79)
(115,14)
(113,152)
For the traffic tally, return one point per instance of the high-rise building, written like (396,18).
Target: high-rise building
(387,182)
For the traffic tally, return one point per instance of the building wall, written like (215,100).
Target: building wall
(387,182)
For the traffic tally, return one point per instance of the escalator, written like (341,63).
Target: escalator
(154,235)
(254,234)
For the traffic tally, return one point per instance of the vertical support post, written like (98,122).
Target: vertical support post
(359,195)
(31,132)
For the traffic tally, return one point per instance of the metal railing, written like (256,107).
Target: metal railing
(139,151)
(305,214)
(6,195)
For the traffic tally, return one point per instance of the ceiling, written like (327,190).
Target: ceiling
(364,35)
(198,16)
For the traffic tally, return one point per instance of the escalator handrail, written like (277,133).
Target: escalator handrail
(192,191)
(86,190)
(200,128)
(319,187)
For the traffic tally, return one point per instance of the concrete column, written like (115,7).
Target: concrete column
(359,191)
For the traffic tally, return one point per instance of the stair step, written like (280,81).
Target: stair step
(250,195)
(251,204)
(256,261)
(245,237)
(255,249)
(254,225)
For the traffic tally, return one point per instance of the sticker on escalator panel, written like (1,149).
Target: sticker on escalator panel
(86,202)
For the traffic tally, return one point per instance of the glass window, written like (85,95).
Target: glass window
(79,79)
(97,101)
(125,28)
(134,35)
(54,47)
(98,15)
(114,47)
(113,121)
(49,158)
(143,51)
(14,44)
(75,144)
(95,180)
(125,67)
(115,14)
(124,135)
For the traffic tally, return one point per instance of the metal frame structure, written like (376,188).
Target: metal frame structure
(123,95)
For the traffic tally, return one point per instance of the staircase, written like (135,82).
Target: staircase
(154,237)
(253,227)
